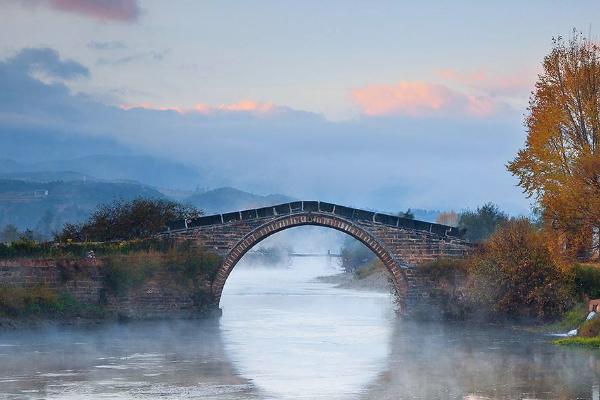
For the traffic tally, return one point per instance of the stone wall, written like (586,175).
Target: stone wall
(84,280)
(80,278)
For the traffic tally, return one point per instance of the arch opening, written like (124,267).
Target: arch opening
(379,249)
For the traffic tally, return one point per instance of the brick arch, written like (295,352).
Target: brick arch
(393,265)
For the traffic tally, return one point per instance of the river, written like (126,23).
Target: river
(284,335)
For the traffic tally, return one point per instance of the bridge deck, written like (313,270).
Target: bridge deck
(298,207)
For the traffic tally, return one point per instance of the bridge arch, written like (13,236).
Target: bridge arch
(392,264)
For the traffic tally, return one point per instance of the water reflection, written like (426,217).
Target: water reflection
(304,341)
(285,336)
(432,361)
(141,360)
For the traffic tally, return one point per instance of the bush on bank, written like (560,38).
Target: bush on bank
(511,275)
(589,328)
(515,275)
(587,280)
(183,265)
(448,293)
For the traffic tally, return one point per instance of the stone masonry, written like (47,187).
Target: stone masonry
(401,243)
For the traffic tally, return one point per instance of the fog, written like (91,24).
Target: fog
(285,334)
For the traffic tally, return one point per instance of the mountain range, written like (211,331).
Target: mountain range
(44,195)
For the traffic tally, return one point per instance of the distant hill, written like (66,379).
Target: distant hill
(229,199)
(147,170)
(45,207)
(47,176)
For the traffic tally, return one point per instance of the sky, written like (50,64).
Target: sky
(377,104)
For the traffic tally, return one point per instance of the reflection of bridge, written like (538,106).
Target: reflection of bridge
(400,243)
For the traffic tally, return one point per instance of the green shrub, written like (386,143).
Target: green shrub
(571,319)
(587,280)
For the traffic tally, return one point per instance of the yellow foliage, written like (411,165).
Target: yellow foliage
(560,164)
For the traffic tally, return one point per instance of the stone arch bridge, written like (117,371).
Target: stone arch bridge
(400,243)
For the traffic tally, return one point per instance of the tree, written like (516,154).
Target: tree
(515,275)
(560,163)
(121,220)
(482,223)
(449,218)
(355,254)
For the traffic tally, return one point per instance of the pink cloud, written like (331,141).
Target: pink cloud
(419,99)
(245,106)
(517,83)
(105,10)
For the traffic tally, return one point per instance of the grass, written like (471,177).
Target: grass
(369,269)
(570,320)
(592,342)
(43,301)
(24,248)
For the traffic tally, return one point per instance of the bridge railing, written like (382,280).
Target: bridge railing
(297,207)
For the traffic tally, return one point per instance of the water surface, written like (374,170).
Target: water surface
(284,335)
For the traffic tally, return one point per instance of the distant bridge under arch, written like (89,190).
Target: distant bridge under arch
(400,243)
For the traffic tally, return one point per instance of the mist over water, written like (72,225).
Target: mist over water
(285,335)
(304,340)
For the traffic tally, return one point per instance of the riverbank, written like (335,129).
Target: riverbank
(37,322)
(593,342)
(371,278)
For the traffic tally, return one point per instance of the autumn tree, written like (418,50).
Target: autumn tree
(449,218)
(514,274)
(560,163)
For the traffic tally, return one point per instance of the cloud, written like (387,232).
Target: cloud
(137,57)
(111,45)
(103,10)
(382,163)
(517,83)
(244,106)
(47,62)
(417,99)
